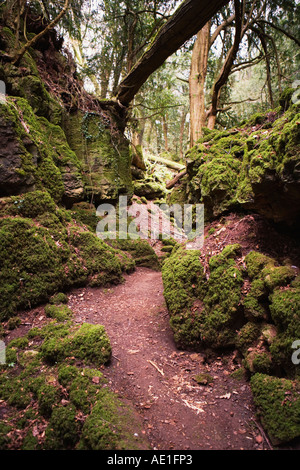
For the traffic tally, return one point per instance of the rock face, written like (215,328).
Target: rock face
(104,155)
(53,141)
(255,167)
(36,155)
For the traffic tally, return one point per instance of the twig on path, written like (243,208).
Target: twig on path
(157,368)
(262,432)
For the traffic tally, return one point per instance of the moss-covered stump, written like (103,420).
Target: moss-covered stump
(44,251)
(254,167)
(278,403)
(58,398)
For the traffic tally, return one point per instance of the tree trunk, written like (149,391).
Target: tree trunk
(197,79)
(182,130)
(187,20)
(226,68)
(165,131)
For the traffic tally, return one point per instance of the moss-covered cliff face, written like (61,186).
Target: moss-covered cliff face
(104,154)
(57,137)
(254,167)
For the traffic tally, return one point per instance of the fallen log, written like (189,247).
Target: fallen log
(166,162)
(170,184)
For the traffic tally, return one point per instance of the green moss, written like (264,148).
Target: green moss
(13,323)
(104,154)
(256,262)
(32,265)
(140,250)
(277,276)
(5,440)
(149,189)
(32,204)
(203,312)
(254,308)
(85,213)
(262,363)
(50,253)
(239,374)
(66,374)
(248,168)
(278,403)
(58,312)
(226,257)
(62,432)
(59,298)
(88,343)
(182,274)
(30,442)
(247,335)
(48,396)
(203,379)
(285,311)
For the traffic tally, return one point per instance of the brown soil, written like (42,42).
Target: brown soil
(159,380)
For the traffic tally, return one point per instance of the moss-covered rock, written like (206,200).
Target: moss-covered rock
(140,250)
(89,343)
(278,402)
(204,312)
(150,189)
(255,167)
(44,251)
(37,155)
(104,154)
(67,401)
(58,312)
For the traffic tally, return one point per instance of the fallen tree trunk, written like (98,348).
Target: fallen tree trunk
(187,20)
(170,184)
(166,162)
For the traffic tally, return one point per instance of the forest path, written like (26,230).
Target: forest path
(148,370)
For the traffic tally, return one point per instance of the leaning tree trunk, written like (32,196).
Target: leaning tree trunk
(187,20)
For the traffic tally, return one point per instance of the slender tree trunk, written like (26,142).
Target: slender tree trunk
(268,68)
(198,72)
(182,130)
(165,131)
(226,68)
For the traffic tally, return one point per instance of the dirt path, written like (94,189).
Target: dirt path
(147,369)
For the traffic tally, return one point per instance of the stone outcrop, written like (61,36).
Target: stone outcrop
(255,167)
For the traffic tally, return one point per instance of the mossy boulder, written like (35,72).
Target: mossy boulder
(37,155)
(278,403)
(45,252)
(150,189)
(204,312)
(65,405)
(140,250)
(89,343)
